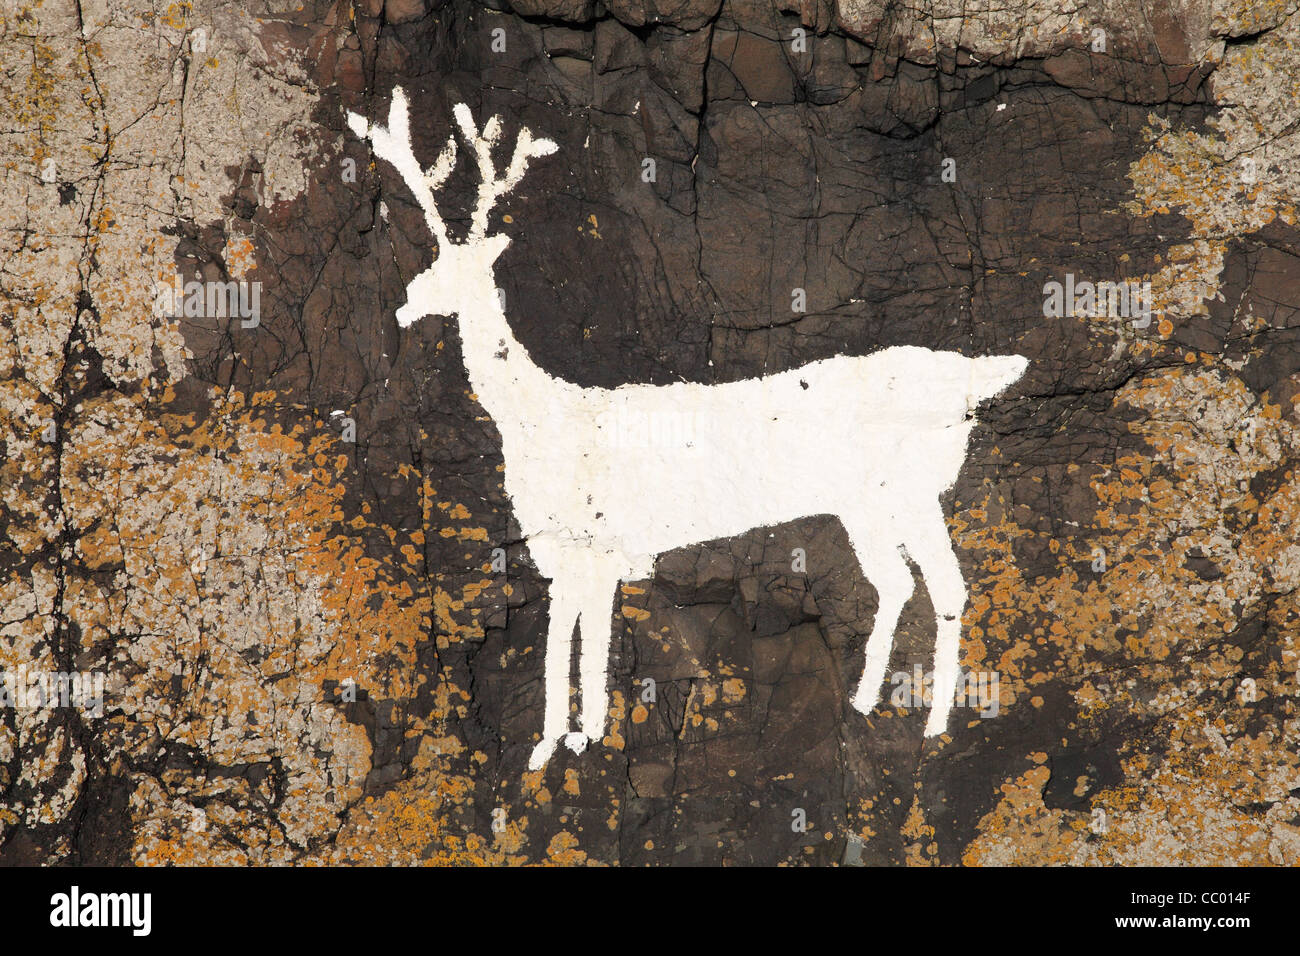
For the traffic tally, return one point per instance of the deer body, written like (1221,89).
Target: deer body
(602,481)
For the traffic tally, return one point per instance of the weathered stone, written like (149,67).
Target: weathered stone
(329,649)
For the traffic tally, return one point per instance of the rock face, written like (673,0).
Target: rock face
(278,544)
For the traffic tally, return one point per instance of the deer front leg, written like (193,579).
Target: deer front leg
(559,654)
(883,565)
(930,546)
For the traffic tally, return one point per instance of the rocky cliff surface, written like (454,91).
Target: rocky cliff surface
(282,537)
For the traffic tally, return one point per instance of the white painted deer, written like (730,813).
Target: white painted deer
(874,440)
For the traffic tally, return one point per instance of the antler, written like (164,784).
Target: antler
(394,145)
(492,188)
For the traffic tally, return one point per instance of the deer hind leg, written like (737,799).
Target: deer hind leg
(597,633)
(930,546)
(559,653)
(884,566)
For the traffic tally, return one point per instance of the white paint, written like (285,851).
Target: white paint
(874,440)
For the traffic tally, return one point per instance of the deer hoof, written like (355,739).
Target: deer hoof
(937,723)
(576,742)
(541,754)
(864,703)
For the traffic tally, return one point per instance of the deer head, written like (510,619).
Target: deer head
(460,278)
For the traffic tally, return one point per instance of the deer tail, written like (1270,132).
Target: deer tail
(991,375)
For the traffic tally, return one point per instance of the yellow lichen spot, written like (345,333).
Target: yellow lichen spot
(733,690)
(563,850)
(571,783)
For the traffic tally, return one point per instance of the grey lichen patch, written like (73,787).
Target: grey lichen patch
(1238,174)
(118,127)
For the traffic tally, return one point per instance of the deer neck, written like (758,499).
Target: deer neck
(501,373)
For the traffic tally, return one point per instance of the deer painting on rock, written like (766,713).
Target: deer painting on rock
(874,440)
